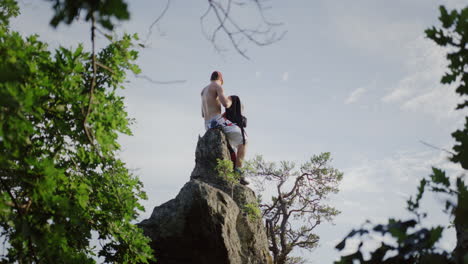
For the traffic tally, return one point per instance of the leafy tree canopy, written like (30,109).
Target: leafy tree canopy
(454,34)
(61,181)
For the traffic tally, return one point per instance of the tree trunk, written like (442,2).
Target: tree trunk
(461,250)
(281,259)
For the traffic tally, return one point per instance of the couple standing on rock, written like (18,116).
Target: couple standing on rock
(231,121)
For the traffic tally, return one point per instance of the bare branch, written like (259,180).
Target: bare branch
(158,82)
(93,82)
(150,29)
(262,35)
(434,147)
(104,67)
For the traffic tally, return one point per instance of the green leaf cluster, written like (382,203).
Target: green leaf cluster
(105,11)
(252,210)
(8,9)
(413,244)
(454,35)
(58,188)
(225,168)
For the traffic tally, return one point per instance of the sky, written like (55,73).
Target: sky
(354,78)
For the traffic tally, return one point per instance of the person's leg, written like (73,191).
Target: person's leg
(241,149)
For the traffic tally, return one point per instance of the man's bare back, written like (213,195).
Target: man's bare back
(212,98)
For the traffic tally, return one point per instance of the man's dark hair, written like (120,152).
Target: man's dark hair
(216,75)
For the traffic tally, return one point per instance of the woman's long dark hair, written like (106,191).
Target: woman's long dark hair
(234,114)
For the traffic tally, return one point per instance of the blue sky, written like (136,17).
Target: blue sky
(354,78)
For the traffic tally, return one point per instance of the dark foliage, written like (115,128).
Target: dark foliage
(104,11)
(412,242)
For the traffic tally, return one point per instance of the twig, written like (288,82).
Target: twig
(88,133)
(158,82)
(236,33)
(12,197)
(108,37)
(104,67)
(150,29)
(434,147)
(21,214)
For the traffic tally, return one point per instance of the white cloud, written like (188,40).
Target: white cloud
(258,74)
(362,178)
(285,76)
(371,32)
(420,89)
(355,95)
(403,168)
(402,91)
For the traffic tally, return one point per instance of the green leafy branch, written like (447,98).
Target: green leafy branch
(252,210)
(226,169)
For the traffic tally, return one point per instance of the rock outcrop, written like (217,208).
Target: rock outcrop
(204,224)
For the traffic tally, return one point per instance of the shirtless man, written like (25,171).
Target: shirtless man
(212,99)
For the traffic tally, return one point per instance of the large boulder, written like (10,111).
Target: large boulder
(204,224)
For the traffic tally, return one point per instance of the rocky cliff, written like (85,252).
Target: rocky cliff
(203,224)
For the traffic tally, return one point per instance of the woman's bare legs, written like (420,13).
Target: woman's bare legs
(241,149)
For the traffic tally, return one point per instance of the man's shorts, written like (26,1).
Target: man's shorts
(232,131)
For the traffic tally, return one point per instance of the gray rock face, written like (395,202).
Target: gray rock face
(203,224)
(211,147)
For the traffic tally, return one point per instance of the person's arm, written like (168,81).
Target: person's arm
(201,105)
(202,114)
(225,100)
